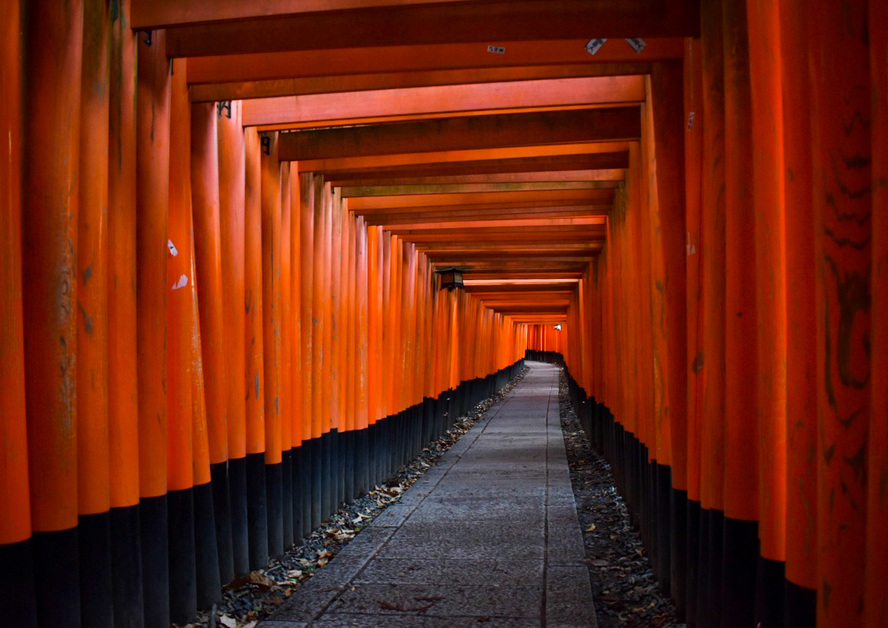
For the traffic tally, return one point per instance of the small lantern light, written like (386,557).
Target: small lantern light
(557,326)
(451,277)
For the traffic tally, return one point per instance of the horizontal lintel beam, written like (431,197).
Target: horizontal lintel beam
(466,133)
(483,21)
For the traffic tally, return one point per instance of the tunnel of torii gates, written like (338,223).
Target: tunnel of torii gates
(220,313)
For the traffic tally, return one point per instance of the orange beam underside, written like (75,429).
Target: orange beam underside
(608,174)
(466,133)
(479,22)
(363,204)
(406,64)
(226,88)
(438,160)
(415,101)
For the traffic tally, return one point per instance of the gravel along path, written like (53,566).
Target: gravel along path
(624,588)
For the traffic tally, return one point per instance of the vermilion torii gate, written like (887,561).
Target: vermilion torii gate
(221,317)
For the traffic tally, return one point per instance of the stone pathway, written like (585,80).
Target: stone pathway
(488,537)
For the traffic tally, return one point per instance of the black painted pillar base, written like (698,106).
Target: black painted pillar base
(17,585)
(126,567)
(800,606)
(57,553)
(153,517)
(769,594)
(297,501)
(273,480)
(206,548)
(220,510)
(287,496)
(237,491)
(679,552)
(740,564)
(316,484)
(96,586)
(692,582)
(257,511)
(183,576)
(305,483)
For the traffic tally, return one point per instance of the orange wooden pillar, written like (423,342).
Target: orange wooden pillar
(180,331)
(770,272)
(310,429)
(232,179)
(387,350)
(257,513)
(205,195)
(123,424)
(93,445)
(712,318)
(841,152)
(17,580)
(669,288)
(695,120)
(316,359)
(152,188)
(324,345)
(286,359)
(351,358)
(300,425)
(363,362)
(271,326)
(374,349)
(741,366)
(801,303)
(338,261)
(53,40)
(875,595)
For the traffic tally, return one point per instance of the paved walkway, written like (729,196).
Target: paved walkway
(488,537)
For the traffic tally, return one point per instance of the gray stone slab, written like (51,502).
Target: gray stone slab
(364,620)
(415,600)
(569,597)
(459,572)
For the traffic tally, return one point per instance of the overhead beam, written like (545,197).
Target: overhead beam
(440,159)
(224,87)
(368,191)
(516,129)
(504,223)
(392,219)
(414,101)
(166,13)
(520,288)
(540,209)
(362,204)
(612,176)
(443,62)
(502,165)
(417,25)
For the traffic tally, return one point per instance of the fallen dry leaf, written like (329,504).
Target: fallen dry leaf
(228,622)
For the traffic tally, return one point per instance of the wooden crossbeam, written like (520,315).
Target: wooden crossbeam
(220,83)
(439,160)
(446,63)
(484,22)
(351,107)
(605,177)
(364,204)
(509,130)
(577,161)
